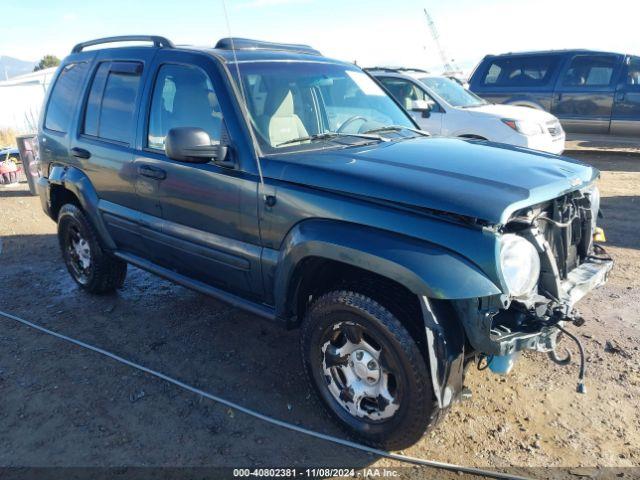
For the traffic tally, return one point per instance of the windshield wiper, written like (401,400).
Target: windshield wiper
(397,128)
(331,135)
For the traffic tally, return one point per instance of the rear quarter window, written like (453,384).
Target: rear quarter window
(526,71)
(64,95)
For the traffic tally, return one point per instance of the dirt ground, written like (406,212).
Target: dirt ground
(65,407)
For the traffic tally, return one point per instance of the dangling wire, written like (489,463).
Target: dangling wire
(239,81)
(581,388)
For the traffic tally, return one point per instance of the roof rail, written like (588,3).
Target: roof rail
(232,43)
(158,42)
(397,69)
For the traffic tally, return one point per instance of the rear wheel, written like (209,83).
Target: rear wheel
(368,370)
(89,265)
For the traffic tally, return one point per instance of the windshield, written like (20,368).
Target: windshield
(452,92)
(298,105)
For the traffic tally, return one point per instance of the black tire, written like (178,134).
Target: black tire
(104,272)
(417,408)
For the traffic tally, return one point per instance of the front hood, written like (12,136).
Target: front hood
(511,112)
(476,179)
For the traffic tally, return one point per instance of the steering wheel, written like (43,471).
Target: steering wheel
(349,121)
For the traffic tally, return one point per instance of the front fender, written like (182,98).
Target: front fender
(423,268)
(79,184)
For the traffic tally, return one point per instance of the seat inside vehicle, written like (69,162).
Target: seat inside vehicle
(284,124)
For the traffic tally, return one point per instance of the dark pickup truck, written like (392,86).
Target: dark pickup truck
(292,185)
(590,92)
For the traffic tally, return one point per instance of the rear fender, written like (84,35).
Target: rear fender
(79,184)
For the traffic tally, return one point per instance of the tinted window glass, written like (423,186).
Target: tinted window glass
(590,71)
(183,97)
(633,72)
(92,113)
(64,95)
(112,101)
(521,71)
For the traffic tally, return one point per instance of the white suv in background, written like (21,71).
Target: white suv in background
(442,107)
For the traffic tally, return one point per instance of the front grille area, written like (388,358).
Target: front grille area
(554,128)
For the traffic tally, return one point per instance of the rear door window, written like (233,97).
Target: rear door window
(590,71)
(63,96)
(111,105)
(526,71)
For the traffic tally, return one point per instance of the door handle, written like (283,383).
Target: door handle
(80,153)
(559,97)
(620,96)
(152,172)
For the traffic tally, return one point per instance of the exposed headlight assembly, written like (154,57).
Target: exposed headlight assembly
(520,264)
(524,127)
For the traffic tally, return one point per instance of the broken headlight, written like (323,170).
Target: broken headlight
(520,264)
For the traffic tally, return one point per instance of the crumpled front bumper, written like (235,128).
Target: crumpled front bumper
(489,335)
(581,280)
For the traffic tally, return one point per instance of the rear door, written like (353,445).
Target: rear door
(583,99)
(106,135)
(625,120)
(406,92)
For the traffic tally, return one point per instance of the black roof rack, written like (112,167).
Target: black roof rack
(248,44)
(158,42)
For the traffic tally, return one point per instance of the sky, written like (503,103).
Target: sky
(371,32)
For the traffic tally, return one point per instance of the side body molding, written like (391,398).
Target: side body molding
(424,269)
(79,184)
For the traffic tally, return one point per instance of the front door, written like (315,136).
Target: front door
(583,99)
(626,110)
(406,92)
(208,229)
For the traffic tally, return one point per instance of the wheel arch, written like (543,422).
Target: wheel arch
(525,103)
(68,184)
(328,260)
(423,268)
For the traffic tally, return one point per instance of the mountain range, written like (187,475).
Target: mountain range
(11,67)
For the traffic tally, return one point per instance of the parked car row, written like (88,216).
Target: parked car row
(295,187)
(441,106)
(590,92)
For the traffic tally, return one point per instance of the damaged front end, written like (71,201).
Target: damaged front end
(570,264)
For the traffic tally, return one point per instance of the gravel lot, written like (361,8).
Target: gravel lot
(62,406)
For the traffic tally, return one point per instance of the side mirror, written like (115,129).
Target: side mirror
(193,145)
(423,106)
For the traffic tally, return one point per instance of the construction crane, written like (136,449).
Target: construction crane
(450,68)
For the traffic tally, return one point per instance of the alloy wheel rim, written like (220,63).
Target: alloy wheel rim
(79,253)
(356,374)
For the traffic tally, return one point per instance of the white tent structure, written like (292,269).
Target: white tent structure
(21,100)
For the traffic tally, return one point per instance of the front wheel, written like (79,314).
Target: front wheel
(368,370)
